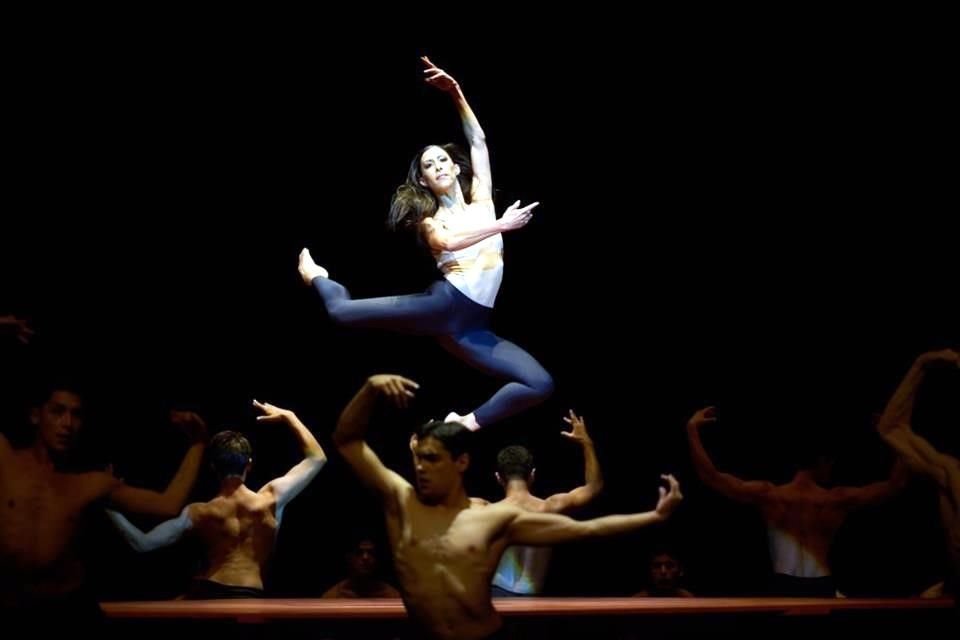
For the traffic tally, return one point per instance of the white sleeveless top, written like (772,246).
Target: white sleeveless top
(477,270)
(791,558)
(523,569)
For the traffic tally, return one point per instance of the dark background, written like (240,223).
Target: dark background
(754,219)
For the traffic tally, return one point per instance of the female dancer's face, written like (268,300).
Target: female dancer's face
(438,171)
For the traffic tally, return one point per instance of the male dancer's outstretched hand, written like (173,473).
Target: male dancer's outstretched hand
(397,389)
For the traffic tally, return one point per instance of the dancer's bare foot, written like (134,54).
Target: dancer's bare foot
(310,269)
(469,420)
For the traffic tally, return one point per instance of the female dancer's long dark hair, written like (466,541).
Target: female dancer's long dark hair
(412,202)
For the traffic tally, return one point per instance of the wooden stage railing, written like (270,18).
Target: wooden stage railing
(287,609)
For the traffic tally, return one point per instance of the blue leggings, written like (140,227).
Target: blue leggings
(461,326)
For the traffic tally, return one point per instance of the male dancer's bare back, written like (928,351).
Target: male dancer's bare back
(239,526)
